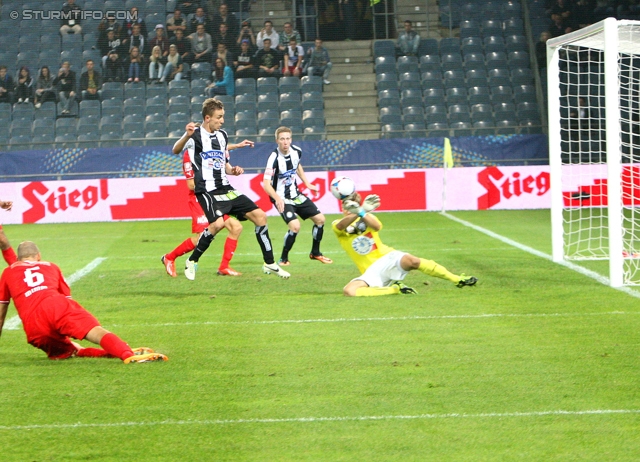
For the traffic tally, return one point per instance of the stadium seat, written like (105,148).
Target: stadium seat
(385,65)
(472,45)
(496,60)
(392,131)
(311,83)
(461,129)
(411,97)
(390,115)
(524,94)
(469,28)
(313,118)
(245,86)
(432,79)
(410,80)
(312,100)
(499,77)
(290,101)
(501,94)
(407,64)
(436,114)
(491,27)
(415,130)
(456,95)
(474,61)
(384,48)
(413,114)
(386,81)
(522,77)
(266,85)
(428,46)
(459,113)
(267,101)
(430,63)
(476,78)
(449,45)
(388,98)
(516,42)
(484,128)
(288,85)
(518,59)
(451,61)
(479,95)
(201,71)
(454,78)
(433,96)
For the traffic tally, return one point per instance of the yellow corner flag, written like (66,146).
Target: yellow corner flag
(448,156)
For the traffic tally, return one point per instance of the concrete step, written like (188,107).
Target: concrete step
(334,94)
(352,68)
(331,102)
(348,45)
(354,136)
(352,78)
(349,128)
(349,120)
(351,112)
(355,88)
(350,56)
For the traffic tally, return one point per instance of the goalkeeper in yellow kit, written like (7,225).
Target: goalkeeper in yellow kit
(382,267)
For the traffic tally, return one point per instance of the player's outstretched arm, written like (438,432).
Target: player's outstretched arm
(235,170)
(6,205)
(242,144)
(179,145)
(3,314)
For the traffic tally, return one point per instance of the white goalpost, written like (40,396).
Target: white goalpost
(594,146)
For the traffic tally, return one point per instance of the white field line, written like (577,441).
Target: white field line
(376,319)
(579,269)
(14,322)
(490,415)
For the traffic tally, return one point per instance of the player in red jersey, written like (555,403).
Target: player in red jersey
(199,223)
(50,318)
(5,246)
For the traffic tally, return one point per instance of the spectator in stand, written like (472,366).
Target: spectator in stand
(7,86)
(199,18)
(201,45)
(268,60)
(45,89)
(224,36)
(348,13)
(24,86)
(541,51)
(66,84)
(90,82)
(134,18)
(73,12)
(408,40)
(113,70)
(183,45)
(136,65)
(187,6)
(293,57)
(562,10)
(223,81)
(156,65)
(160,40)
(286,35)
(136,40)
(244,62)
(246,33)
(224,53)
(109,43)
(558,27)
(270,33)
(107,24)
(175,22)
(173,68)
(582,13)
(319,62)
(224,16)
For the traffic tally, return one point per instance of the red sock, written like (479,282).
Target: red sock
(93,353)
(9,256)
(114,346)
(186,246)
(229,248)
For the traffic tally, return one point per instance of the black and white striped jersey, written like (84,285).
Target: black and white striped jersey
(209,155)
(281,172)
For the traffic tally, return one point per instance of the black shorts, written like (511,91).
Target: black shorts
(305,209)
(231,203)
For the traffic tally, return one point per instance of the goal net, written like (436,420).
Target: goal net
(594,146)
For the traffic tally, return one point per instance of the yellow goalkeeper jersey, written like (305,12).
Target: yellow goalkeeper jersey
(364,247)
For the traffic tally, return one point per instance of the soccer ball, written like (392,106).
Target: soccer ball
(342,187)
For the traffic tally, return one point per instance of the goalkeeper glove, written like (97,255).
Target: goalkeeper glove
(371,202)
(351,206)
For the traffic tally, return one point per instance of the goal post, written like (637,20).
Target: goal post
(593,78)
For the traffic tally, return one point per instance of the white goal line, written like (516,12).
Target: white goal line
(579,269)
(489,415)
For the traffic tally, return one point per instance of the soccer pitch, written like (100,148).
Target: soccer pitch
(537,362)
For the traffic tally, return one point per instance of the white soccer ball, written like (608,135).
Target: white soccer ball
(342,187)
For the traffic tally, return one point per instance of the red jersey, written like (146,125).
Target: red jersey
(29,283)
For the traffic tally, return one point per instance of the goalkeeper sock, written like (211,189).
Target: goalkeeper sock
(9,256)
(186,246)
(289,240)
(230,246)
(114,346)
(204,241)
(377,291)
(93,353)
(317,233)
(262,235)
(431,268)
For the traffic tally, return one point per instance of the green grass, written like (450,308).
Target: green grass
(241,371)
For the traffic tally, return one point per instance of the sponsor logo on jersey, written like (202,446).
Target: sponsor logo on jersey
(363,244)
(287,177)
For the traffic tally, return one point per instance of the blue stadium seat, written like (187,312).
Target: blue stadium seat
(516,43)
(384,48)
(491,27)
(499,77)
(410,80)
(313,118)
(289,101)
(266,85)
(288,84)
(459,113)
(502,94)
(436,114)
(411,97)
(432,79)
(386,81)
(449,46)
(469,28)
(245,102)
(494,44)
(245,86)
(522,76)
(388,98)
(518,59)
(451,61)
(456,95)
(413,114)
(433,96)
(479,95)
(430,63)
(385,64)
(407,64)
(472,45)
(312,100)
(454,78)
(393,130)
(267,101)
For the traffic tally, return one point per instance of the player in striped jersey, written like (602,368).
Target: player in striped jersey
(209,154)
(5,246)
(281,185)
(383,268)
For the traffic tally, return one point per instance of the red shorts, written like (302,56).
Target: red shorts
(199,220)
(56,319)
